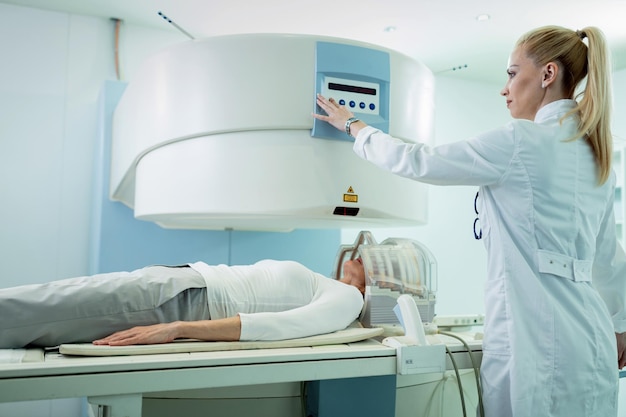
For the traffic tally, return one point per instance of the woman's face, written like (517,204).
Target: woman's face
(523,91)
(354,274)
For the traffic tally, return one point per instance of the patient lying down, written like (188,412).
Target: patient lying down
(270,300)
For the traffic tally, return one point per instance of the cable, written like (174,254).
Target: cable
(474,365)
(458,378)
(440,386)
(118,24)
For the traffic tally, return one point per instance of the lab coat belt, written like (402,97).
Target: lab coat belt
(564,266)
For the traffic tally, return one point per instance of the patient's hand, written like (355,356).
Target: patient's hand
(142,335)
(226,329)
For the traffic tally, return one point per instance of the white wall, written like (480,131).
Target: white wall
(53,67)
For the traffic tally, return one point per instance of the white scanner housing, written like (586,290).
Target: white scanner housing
(217,134)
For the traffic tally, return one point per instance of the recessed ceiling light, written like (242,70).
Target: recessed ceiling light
(483,17)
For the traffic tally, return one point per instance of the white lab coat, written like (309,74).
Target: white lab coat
(549,347)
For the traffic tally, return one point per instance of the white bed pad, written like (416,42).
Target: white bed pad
(21,355)
(348,335)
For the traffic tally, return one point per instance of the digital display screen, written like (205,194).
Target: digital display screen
(352,89)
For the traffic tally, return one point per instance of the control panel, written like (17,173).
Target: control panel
(359,96)
(356,77)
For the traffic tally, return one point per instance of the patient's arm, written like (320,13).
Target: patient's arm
(228,329)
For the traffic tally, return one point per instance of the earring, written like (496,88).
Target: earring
(543,84)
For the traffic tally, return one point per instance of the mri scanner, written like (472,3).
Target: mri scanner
(217,134)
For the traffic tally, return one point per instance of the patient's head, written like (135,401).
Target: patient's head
(354,274)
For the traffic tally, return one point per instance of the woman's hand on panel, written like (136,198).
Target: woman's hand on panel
(336,115)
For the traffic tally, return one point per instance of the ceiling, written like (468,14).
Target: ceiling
(443,34)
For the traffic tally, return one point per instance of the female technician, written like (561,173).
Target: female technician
(546,210)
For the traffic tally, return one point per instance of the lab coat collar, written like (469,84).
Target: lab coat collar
(554,110)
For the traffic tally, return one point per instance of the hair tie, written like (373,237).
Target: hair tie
(581,34)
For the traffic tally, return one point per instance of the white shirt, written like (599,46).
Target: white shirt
(546,222)
(279,299)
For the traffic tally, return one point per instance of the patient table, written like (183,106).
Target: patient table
(116,385)
(119,382)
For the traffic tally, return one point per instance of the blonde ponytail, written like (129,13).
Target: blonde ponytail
(579,61)
(596,103)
